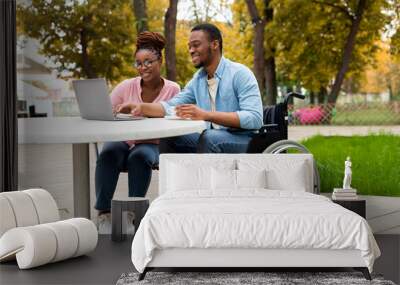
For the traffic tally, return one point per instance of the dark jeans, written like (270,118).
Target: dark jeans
(116,157)
(210,141)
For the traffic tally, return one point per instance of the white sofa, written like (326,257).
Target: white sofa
(267,198)
(31,233)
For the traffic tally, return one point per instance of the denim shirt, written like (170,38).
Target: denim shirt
(237,92)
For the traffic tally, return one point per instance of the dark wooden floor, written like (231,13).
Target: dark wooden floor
(103,266)
(110,260)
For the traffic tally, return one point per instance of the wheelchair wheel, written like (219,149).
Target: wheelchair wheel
(284,145)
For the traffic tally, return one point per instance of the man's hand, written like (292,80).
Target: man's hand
(190,111)
(126,108)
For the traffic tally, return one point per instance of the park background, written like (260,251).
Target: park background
(344,55)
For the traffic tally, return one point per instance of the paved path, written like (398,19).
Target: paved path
(299,133)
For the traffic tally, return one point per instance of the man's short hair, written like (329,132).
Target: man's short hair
(213,32)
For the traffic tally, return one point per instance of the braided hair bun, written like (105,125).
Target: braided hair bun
(151,41)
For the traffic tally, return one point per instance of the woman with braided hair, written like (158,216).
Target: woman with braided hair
(137,157)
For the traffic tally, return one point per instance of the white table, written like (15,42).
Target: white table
(80,133)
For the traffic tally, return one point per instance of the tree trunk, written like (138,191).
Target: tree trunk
(270,68)
(270,76)
(170,36)
(259,60)
(86,66)
(349,47)
(312,98)
(390,92)
(321,95)
(139,9)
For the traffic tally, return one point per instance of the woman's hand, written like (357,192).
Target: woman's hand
(190,111)
(126,108)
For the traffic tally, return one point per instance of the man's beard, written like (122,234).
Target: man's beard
(204,63)
(199,65)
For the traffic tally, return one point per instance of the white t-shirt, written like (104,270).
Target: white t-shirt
(212,92)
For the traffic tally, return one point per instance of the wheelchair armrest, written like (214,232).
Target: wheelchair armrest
(239,130)
(267,127)
(263,129)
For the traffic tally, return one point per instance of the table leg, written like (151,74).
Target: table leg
(81,176)
(116,220)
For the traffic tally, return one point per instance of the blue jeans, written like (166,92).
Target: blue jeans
(210,141)
(116,157)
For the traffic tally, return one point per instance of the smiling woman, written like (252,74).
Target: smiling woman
(135,157)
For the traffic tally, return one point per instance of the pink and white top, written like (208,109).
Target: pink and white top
(130,90)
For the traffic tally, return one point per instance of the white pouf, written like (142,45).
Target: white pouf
(31,233)
(37,245)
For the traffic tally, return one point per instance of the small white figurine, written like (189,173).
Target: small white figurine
(347,174)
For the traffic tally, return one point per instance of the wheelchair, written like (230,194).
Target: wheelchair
(272,137)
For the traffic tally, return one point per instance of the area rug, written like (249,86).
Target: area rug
(243,278)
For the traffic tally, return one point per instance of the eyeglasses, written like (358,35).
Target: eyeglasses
(146,63)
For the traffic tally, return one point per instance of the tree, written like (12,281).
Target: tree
(209,11)
(383,75)
(170,35)
(239,35)
(139,8)
(264,60)
(395,44)
(395,27)
(270,67)
(355,19)
(259,61)
(87,38)
(311,37)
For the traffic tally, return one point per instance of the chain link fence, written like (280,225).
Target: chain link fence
(346,114)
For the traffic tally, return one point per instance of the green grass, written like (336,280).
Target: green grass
(374,115)
(375,162)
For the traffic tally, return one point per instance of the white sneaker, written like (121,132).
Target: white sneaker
(127,223)
(104,224)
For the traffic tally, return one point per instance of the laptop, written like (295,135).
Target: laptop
(95,103)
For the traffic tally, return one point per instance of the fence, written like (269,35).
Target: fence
(346,114)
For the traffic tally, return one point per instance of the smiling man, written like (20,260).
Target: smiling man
(222,92)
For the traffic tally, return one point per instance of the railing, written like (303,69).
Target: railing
(346,114)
